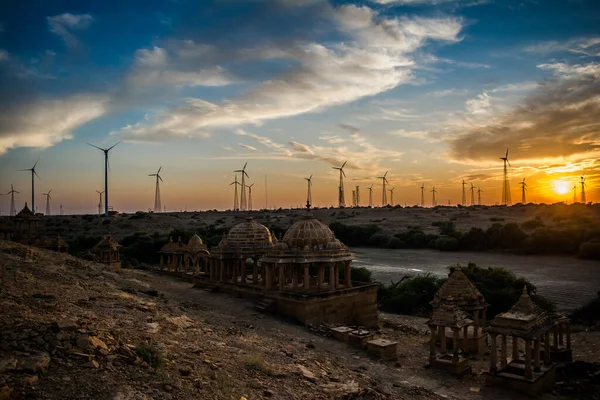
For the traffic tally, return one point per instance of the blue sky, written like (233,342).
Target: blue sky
(433,91)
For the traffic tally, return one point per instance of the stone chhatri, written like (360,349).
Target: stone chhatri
(310,232)
(448,315)
(459,287)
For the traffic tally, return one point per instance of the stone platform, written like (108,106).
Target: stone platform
(513,377)
(444,362)
(386,349)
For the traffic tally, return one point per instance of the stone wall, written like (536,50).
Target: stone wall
(352,307)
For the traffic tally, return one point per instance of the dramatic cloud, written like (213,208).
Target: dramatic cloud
(589,46)
(559,121)
(376,57)
(64,24)
(43,123)
(157,66)
(248,147)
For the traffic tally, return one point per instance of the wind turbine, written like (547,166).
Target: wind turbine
(383,192)
(370,195)
(236,206)
(479,195)
(433,191)
(309,194)
(100,202)
(472,194)
(48,198)
(505,186)
(392,196)
(464,196)
(583,200)
(13,211)
(523,190)
(250,197)
(33,175)
(574,192)
(105,174)
(341,201)
(422,194)
(243,196)
(357,197)
(157,204)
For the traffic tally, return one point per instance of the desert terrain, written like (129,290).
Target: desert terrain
(73,329)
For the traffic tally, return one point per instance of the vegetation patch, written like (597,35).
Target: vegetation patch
(256,362)
(151,354)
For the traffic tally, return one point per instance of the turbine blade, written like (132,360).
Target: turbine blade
(245,173)
(508,163)
(96,146)
(37,175)
(110,148)
(245,165)
(506,153)
(159,178)
(343,173)
(344,164)
(38,160)
(159,170)
(311,175)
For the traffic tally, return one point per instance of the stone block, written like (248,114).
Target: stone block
(359,338)
(386,349)
(341,333)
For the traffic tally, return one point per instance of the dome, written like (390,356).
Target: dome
(249,235)
(280,246)
(195,245)
(168,247)
(335,245)
(310,232)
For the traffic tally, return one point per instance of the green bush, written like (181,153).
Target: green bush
(590,250)
(411,296)
(378,239)
(445,243)
(589,314)
(151,354)
(360,274)
(353,235)
(395,243)
(532,224)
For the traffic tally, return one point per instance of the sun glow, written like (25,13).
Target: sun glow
(561,187)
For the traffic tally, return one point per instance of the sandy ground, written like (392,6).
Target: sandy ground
(215,346)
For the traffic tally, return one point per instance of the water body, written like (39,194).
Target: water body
(569,282)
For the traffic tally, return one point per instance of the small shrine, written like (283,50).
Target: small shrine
(195,256)
(470,300)
(106,252)
(527,323)
(26,227)
(58,244)
(174,253)
(448,315)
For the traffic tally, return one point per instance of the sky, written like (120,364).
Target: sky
(431,91)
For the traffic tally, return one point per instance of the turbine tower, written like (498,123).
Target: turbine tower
(433,202)
(523,190)
(157,203)
(370,196)
(341,200)
(13,210)
(583,200)
(33,175)
(574,192)
(100,202)
(236,206)
(422,194)
(505,186)
(464,195)
(357,196)
(48,198)
(308,194)
(105,174)
(383,191)
(354,198)
(392,196)
(243,184)
(479,195)
(250,197)
(472,194)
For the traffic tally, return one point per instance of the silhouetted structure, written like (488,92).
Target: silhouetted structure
(105,174)
(243,204)
(157,203)
(106,251)
(341,199)
(384,181)
(505,185)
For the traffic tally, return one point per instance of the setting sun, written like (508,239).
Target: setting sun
(561,187)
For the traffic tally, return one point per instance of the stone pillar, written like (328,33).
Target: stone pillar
(221,272)
(528,359)
(332,278)
(432,356)
(321,276)
(455,346)
(555,338)
(267,269)
(483,321)
(503,351)
(348,275)
(515,348)
(161,261)
(476,323)
(281,277)
(306,276)
(243,270)
(536,355)
(547,359)
(568,335)
(493,351)
(294,276)
(442,335)
(561,341)
(254,272)
(466,339)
